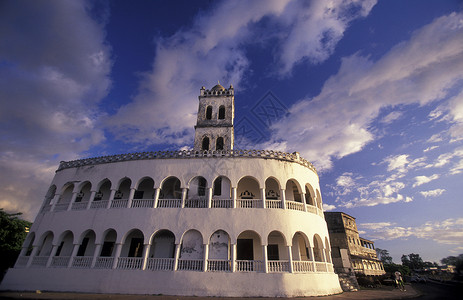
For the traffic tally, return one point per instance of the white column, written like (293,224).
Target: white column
(312,257)
(156,196)
(52,254)
(131,193)
(233,258)
(206,255)
(209,197)
(177,256)
(111,197)
(184,192)
(73,199)
(92,197)
(264,249)
(290,259)
(283,198)
(233,189)
(117,253)
(35,249)
(55,200)
(262,196)
(96,253)
(73,254)
(303,201)
(146,251)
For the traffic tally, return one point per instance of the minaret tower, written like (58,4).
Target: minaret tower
(214,127)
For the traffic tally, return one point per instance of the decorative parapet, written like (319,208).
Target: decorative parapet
(187,154)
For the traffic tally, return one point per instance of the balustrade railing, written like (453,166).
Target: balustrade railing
(320,213)
(295,205)
(160,264)
(249,266)
(170,203)
(104,262)
(302,266)
(273,203)
(99,204)
(222,203)
(142,203)
(196,203)
(119,203)
(320,266)
(79,205)
(130,263)
(61,207)
(60,261)
(22,261)
(311,209)
(39,261)
(331,269)
(249,203)
(82,262)
(218,265)
(190,264)
(278,266)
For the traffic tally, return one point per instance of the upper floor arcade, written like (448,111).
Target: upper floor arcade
(194,192)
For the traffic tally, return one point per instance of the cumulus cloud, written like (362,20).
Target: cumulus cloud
(420,70)
(419,180)
(328,207)
(432,193)
(449,231)
(55,70)
(212,48)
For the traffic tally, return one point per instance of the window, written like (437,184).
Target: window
(205,145)
(272,252)
(136,247)
(107,249)
(219,143)
(209,113)
(83,247)
(201,186)
(222,112)
(138,195)
(218,187)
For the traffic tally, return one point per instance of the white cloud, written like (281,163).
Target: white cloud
(420,70)
(430,148)
(391,117)
(210,49)
(457,168)
(419,180)
(432,193)
(449,231)
(55,70)
(328,207)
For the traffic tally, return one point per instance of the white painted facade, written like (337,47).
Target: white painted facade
(207,223)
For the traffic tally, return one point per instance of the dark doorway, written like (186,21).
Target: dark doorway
(244,249)
(272,252)
(136,247)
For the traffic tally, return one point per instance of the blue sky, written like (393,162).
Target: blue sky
(371,92)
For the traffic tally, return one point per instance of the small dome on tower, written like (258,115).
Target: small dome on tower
(218,87)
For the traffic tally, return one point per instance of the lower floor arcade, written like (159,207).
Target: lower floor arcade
(247,252)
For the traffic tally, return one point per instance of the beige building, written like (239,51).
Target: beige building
(350,252)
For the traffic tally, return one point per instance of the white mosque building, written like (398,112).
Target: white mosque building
(212,221)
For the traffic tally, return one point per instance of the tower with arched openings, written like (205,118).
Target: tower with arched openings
(212,221)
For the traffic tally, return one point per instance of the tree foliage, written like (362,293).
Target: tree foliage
(12,235)
(384,256)
(413,261)
(456,261)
